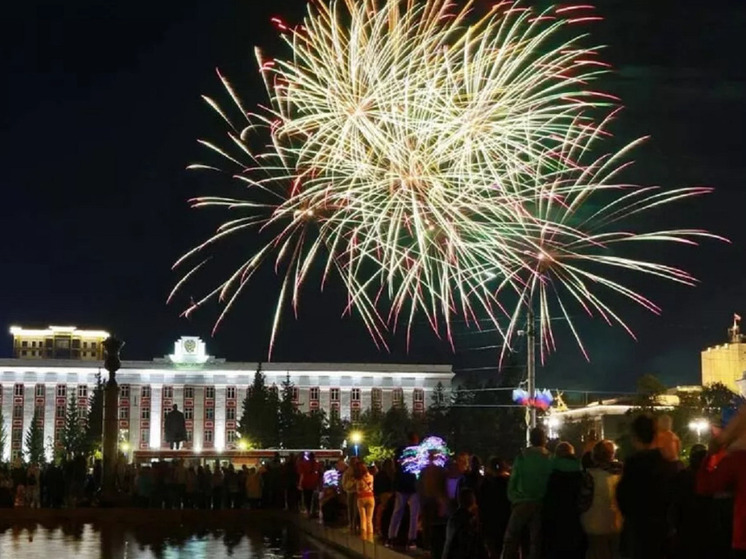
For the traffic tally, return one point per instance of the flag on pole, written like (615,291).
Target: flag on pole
(737,317)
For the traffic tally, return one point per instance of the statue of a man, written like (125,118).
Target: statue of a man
(175,428)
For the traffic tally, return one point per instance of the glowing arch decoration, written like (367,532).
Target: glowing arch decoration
(415,458)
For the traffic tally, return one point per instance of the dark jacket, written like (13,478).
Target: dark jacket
(644,495)
(463,540)
(562,531)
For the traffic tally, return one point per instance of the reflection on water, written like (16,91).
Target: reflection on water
(59,540)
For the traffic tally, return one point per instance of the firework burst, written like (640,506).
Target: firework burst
(413,149)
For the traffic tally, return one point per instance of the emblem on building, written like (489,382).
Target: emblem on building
(189,350)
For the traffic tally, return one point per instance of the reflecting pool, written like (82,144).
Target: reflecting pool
(253,538)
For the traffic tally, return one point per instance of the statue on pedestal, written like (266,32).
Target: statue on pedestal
(175,428)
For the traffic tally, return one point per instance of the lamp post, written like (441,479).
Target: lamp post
(699,426)
(112,347)
(356,437)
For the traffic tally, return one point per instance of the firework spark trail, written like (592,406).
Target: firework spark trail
(434,159)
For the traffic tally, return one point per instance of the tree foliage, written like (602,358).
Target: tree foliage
(95,421)
(73,437)
(259,422)
(34,441)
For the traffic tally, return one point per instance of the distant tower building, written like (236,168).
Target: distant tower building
(726,363)
(58,342)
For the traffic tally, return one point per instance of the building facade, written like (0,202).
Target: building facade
(58,342)
(208,390)
(726,363)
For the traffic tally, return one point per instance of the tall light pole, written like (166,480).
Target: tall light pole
(531,362)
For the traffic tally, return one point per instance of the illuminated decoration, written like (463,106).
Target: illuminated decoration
(189,350)
(415,458)
(331,478)
(542,399)
(434,158)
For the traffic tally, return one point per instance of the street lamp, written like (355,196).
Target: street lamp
(356,437)
(700,426)
(553,423)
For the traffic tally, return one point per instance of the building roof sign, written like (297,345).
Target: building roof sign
(189,351)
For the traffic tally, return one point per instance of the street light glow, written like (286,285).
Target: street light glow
(356,437)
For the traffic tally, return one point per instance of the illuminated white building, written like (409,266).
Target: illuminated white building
(209,391)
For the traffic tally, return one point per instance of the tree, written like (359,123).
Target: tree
(259,414)
(73,436)
(95,420)
(34,441)
(437,413)
(289,418)
(335,431)
(649,389)
(310,429)
(396,426)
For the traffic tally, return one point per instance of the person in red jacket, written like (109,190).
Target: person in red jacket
(724,469)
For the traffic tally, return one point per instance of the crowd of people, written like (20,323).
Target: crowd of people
(558,504)
(563,504)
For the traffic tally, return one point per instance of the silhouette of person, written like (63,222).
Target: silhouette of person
(175,428)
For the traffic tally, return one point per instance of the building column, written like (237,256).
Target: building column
(219,429)
(50,413)
(156,411)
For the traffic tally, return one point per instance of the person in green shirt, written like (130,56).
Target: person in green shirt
(526,490)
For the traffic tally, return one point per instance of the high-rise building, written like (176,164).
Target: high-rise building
(726,363)
(58,342)
(208,390)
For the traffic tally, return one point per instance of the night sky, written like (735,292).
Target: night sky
(101,116)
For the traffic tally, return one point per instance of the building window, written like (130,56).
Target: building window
(18,390)
(230,393)
(376,397)
(355,414)
(124,391)
(189,435)
(314,394)
(209,393)
(355,397)
(168,392)
(397,397)
(231,436)
(145,435)
(418,396)
(145,392)
(18,411)
(82,391)
(188,413)
(230,414)
(39,390)
(209,414)
(59,412)
(334,394)
(16,434)
(61,391)
(189,392)
(145,413)
(39,413)
(208,435)
(124,413)
(24,343)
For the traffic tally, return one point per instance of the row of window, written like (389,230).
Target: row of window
(230,393)
(62,343)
